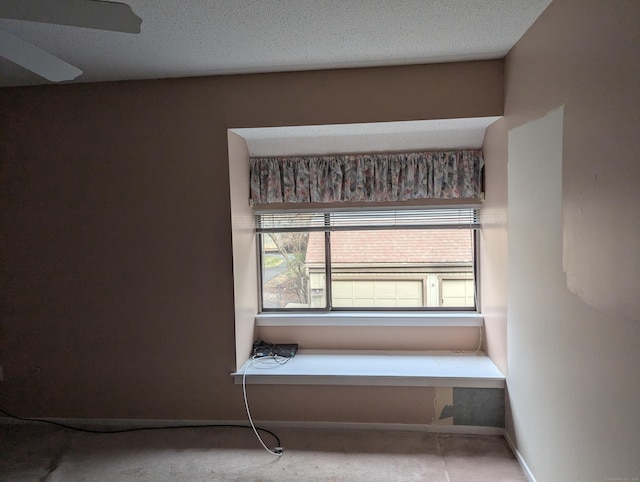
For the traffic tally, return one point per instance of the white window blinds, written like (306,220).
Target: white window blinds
(434,218)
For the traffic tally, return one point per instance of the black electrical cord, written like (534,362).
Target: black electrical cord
(137,429)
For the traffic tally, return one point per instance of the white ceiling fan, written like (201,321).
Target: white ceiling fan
(97,14)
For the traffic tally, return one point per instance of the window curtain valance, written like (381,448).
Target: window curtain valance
(367,177)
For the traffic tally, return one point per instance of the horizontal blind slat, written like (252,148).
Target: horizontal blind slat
(356,220)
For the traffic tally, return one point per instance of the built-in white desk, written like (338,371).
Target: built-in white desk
(382,368)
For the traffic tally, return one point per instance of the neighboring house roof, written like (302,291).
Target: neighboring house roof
(393,247)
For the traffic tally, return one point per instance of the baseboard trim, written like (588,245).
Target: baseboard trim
(525,468)
(271,424)
(124,423)
(406,427)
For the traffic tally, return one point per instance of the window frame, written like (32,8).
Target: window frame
(328,278)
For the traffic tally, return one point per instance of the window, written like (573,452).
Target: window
(368,260)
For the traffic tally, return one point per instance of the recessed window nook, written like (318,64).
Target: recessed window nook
(379,348)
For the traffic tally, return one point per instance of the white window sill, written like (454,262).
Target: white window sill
(378,318)
(423,369)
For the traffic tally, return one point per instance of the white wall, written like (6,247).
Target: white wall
(493,245)
(571,110)
(245,281)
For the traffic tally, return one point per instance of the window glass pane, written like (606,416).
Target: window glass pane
(402,268)
(293,270)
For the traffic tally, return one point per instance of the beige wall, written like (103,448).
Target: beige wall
(571,110)
(375,338)
(118,294)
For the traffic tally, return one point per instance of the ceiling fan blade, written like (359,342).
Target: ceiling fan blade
(35,59)
(96,14)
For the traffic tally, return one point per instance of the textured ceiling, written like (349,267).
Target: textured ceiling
(211,37)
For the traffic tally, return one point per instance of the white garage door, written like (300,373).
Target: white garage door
(377,293)
(457,292)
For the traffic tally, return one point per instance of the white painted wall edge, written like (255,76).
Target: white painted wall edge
(123,424)
(397,319)
(525,468)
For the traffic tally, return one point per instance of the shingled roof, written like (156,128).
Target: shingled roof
(392,247)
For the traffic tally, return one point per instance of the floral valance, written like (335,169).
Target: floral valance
(367,177)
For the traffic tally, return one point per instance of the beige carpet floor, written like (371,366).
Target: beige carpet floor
(47,453)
